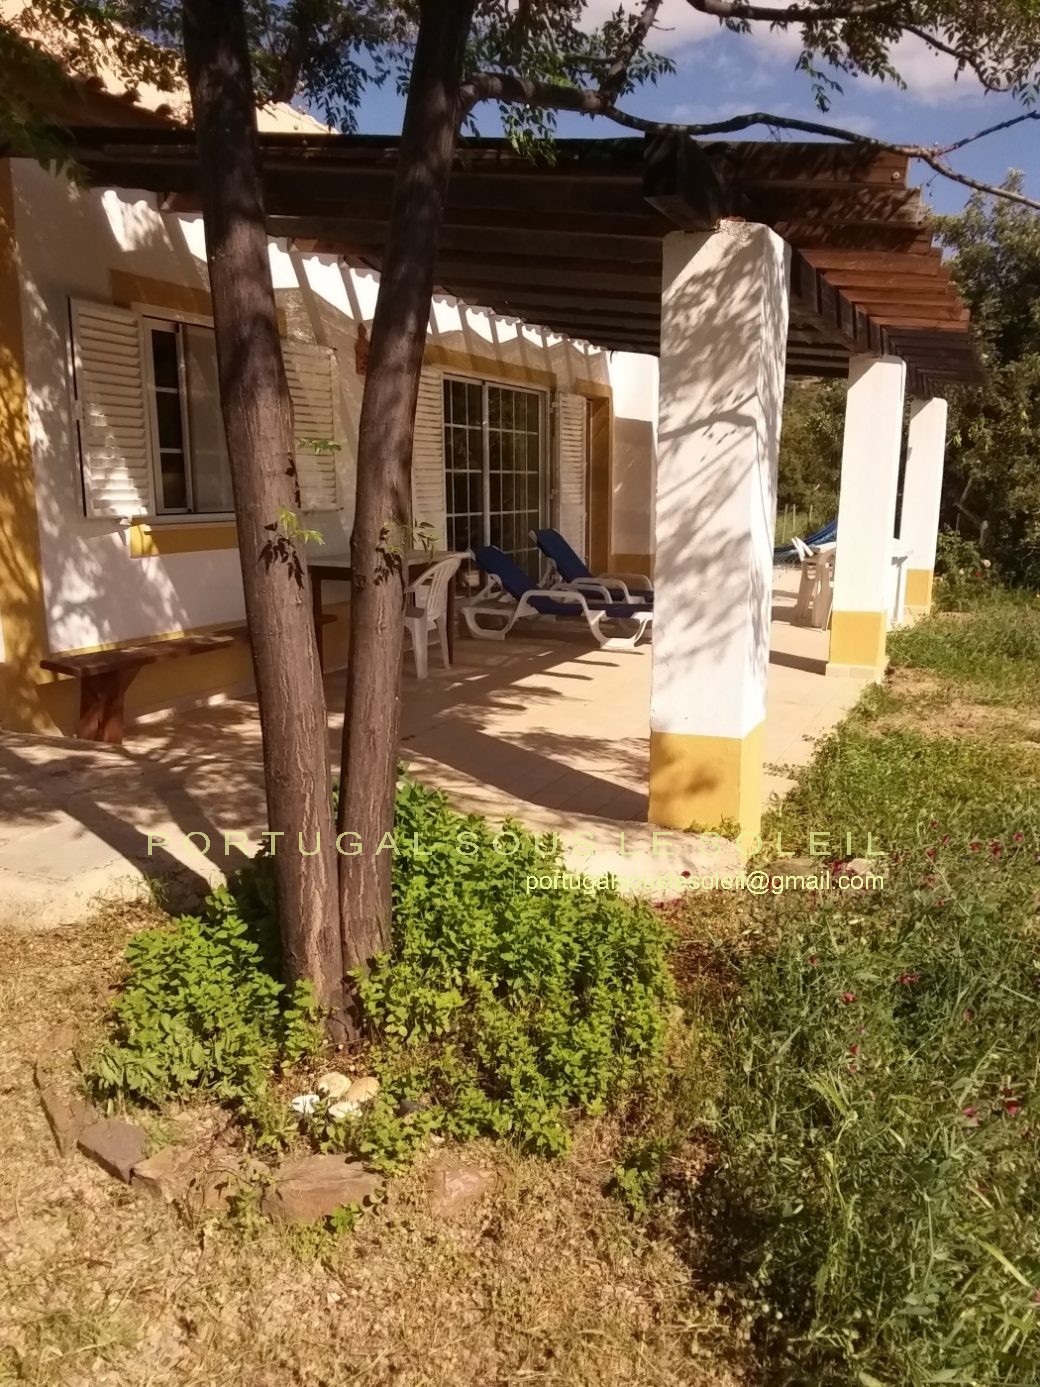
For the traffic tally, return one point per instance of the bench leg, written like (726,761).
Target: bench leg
(101,705)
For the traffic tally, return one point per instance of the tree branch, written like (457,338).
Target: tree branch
(614,78)
(988,130)
(793,14)
(528,91)
(966,59)
(745,11)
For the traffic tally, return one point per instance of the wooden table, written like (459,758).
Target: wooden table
(335,568)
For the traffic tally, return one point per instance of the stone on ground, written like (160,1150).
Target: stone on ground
(453,1186)
(115,1145)
(171,1175)
(211,1191)
(66,1117)
(164,1175)
(316,1186)
(362,1090)
(863,866)
(334,1084)
(345,1108)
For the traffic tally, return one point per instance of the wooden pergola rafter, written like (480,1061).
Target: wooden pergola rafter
(574,245)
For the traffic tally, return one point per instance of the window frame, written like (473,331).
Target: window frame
(169,319)
(543,471)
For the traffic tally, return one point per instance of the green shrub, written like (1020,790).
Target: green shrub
(505,1003)
(637,1177)
(965,575)
(504,1006)
(201,1011)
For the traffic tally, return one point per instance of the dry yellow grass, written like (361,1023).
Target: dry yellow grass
(543,1283)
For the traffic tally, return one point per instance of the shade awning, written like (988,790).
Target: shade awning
(574,245)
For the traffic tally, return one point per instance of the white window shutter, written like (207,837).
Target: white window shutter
(111,410)
(428,503)
(314,387)
(571,415)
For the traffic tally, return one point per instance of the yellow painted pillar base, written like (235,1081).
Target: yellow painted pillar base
(858,643)
(919,590)
(703,782)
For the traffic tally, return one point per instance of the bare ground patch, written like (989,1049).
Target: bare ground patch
(915,701)
(545,1282)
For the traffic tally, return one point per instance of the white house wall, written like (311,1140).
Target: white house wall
(633,382)
(95,591)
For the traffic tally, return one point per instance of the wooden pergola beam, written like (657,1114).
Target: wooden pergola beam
(923,262)
(478,291)
(331,234)
(683,182)
(578,242)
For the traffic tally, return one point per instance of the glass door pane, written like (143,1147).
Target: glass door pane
(493,457)
(464,463)
(174,491)
(515,472)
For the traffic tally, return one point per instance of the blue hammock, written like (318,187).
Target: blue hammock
(783,552)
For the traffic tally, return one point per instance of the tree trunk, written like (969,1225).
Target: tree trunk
(257,414)
(372,714)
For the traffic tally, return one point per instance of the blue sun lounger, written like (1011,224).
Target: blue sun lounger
(575,573)
(785,553)
(511,595)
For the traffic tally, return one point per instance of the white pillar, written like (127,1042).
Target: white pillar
(724,311)
(922,494)
(863,571)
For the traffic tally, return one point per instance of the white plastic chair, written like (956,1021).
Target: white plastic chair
(816,589)
(427,611)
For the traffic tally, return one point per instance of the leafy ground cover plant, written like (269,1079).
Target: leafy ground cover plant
(202,1013)
(991,652)
(511,999)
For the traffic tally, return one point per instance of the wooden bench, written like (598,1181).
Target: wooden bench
(105,675)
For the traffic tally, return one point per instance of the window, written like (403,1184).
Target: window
(147,408)
(192,473)
(494,459)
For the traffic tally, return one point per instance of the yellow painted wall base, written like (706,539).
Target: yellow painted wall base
(148,541)
(919,590)
(50,705)
(633,563)
(858,640)
(704,781)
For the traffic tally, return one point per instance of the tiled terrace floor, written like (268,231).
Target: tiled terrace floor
(542,728)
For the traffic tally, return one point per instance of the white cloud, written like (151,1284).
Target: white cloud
(686,34)
(931,77)
(679,23)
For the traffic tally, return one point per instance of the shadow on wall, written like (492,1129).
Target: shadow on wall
(712,400)
(93,591)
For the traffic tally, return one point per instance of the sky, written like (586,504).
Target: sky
(720,74)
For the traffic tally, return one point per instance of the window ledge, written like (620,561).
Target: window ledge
(155,537)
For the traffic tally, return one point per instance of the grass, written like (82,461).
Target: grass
(790,522)
(870,1211)
(989,653)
